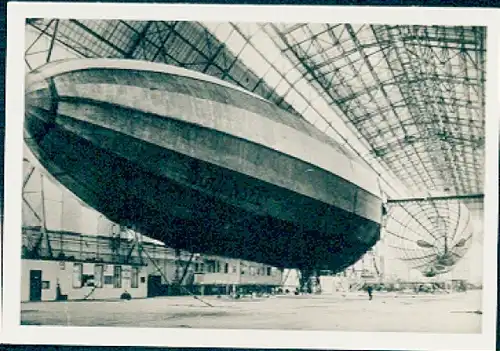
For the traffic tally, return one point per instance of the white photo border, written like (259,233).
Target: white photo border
(14,333)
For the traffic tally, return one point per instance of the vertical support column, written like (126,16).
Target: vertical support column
(177,277)
(43,227)
(306,274)
(177,265)
(61,241)
(80,256)
(238,272)
(185,270)
(52,42)
(97,246)
(31,247)
(116,231)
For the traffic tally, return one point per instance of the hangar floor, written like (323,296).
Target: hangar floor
(450,313)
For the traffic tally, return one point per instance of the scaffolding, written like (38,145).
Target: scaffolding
(41,247)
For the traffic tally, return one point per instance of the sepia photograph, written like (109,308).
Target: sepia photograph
(254,175)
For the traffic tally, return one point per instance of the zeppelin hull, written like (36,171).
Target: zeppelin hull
(194,179)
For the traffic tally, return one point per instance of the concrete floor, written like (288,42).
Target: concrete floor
(450,313)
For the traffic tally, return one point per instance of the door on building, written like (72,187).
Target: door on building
(35,285)
(154,286)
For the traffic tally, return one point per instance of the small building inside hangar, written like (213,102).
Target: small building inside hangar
(102,267)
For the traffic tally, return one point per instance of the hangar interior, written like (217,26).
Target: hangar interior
(406,100)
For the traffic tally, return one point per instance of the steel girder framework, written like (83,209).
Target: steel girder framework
(414,93)
(412,96)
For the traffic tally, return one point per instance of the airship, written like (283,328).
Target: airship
(434,239)
(200,164)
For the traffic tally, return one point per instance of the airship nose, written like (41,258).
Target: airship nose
(38,96)
(40,108)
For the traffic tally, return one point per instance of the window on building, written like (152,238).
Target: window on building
(98,275)
(235,268)
(196,267)
(226,268)
(252,270)
(268,271)
(202,267)
(117,277)
(217,266)
(134,283)
(77,275)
